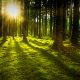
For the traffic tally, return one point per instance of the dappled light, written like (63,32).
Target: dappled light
(34,59)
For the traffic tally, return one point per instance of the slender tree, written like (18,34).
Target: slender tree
(59,24)
(39,3)
(64,18)
(36,18)
(54,18)
(75,29)
(25,22)
(45,16)
(51,16)
(0,18)
(70,18)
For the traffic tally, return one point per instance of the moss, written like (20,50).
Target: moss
(36,61)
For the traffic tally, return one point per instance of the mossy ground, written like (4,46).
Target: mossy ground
(35,60)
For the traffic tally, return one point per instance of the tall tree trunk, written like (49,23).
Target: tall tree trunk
(64,19)
(39,19)
(46,21)
(0,18)
(25,22)
(51,19)
(75,29)
(4,29)
(59,24)
(54,25)
(71,19)
(36,18)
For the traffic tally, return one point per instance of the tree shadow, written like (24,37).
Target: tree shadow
(69,71)
(69,52)
(2,42)
(27,69)
(5,72)
(72,53)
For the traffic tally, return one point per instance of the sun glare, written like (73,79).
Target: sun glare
(12,10)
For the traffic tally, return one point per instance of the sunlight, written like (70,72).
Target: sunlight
(13,10)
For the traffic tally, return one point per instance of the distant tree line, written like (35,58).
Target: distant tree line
(58,19)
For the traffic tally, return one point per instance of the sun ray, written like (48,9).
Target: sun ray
(12,10)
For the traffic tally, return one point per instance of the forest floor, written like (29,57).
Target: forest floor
(37,61)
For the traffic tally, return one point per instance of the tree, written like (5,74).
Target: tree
(59,24)
(46,10)
(25,22)
(36,18)
(51,15)
(39,3)
(64,18)
(75,29)
(0,18)
(70,18)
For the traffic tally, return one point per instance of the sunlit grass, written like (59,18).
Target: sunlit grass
(35,61)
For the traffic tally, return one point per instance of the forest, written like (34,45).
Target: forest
(39,39)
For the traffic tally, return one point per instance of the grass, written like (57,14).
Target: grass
(37,61)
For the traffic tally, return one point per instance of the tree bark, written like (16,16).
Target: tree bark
(59,24)
(0,18)
(75,29)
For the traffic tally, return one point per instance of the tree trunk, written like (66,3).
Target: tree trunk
(0,18)
(51,19)
(64,19)
(59,24)
(25,22)
(75,29)
(39,19)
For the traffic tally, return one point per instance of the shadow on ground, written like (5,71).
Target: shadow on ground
(68,71)
(27,68)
